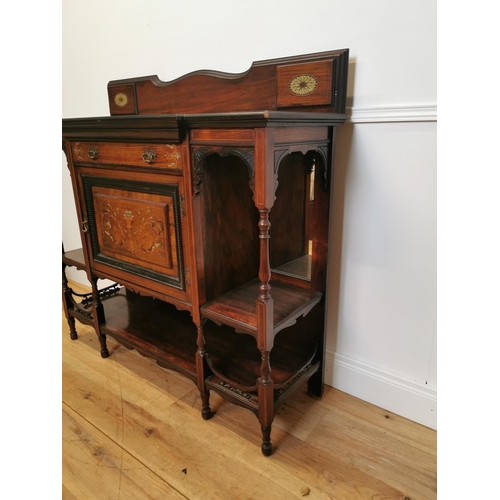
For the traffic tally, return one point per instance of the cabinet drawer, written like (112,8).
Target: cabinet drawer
(164,156)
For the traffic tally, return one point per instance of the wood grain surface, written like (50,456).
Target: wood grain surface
(132,430)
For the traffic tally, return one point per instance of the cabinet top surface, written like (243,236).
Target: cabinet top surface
(195,120)
(172,127)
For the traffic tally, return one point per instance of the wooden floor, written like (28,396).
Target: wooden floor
(132,430)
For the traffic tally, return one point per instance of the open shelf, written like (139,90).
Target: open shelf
(246,399)
(156,329)
(235,362)
(238,359)
(238,309)
(250,399)
(74,258)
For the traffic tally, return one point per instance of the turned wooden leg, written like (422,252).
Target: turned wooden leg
(66,296)
(72,330)
(98,314)
(104,347)
(206,412)
(201,369)
(267,447)
(265,337)
(266,403)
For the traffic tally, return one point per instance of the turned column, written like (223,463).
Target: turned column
(265,308)
(265,182)
(201,370)
(98,316)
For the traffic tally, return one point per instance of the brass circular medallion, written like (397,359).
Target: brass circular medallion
(121,99)
(303,85)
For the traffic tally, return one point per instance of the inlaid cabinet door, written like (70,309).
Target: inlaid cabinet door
(134,226)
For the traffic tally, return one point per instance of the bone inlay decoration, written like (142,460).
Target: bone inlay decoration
(78,151)
(173,156)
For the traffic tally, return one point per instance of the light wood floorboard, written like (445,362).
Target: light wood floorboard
(132,430)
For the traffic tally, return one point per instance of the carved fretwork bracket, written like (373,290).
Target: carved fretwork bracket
(84,307)
(325,179)
(244,394)
(307,150)
(292,381)
(199,155)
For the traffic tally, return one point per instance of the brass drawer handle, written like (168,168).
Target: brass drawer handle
(85,223)
(93,153)
(149,155)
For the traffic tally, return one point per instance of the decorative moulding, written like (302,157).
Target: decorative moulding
(409,113)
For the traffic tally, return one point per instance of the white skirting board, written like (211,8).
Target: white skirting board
(402,113)
(412,400)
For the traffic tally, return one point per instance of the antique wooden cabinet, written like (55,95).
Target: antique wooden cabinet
(206,199)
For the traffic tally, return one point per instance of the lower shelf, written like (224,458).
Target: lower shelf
(249,399)
(236,357)
(156,329)
(160,331)
(237,396)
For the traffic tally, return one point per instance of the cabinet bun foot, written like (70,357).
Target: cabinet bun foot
(207,414)
(104,353)
(73,335)
(267,449)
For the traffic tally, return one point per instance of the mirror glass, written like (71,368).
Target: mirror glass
(291,216)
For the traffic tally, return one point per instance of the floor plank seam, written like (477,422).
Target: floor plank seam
(122,425)
(123,449)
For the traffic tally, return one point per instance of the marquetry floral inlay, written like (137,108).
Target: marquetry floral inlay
(135,230)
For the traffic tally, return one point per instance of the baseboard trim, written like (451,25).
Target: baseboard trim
(393,392)
(410,113)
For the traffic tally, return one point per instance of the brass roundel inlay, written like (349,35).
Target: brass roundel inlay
(121,99)
(303,85)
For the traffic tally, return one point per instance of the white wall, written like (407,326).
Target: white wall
(382,348)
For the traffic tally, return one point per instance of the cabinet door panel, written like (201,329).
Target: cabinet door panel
(135,226)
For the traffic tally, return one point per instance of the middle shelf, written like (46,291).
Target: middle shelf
(237,308)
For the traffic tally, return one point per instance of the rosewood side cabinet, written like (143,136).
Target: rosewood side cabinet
(206,199)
